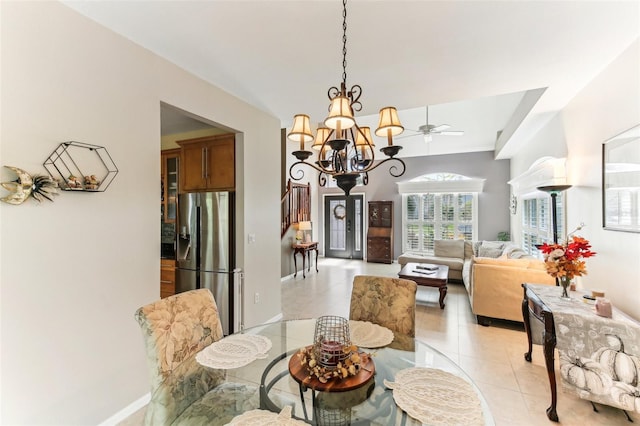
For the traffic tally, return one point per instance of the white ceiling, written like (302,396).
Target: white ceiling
(472,61)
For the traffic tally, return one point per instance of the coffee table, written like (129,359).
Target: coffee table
(431,278)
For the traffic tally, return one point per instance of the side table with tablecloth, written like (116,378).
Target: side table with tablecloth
(599,357)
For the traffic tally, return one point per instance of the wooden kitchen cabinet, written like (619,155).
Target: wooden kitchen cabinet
(169,170)
(167,277)
(208,164)
(380,232)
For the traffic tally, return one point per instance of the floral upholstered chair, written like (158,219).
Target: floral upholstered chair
(389,302)
(175,329)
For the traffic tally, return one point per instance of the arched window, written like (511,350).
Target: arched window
(438,206)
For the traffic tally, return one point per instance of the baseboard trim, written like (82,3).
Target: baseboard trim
(286,277)
(127,411)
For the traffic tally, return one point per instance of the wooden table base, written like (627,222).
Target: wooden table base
(532,305)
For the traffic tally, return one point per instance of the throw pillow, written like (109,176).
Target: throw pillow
(489,252)
(519,254)
(449,248)
(493,244)
(476,246)
(512,251)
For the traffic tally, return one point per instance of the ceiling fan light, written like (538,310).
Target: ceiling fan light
(427,137)
(340,114)
(389,123)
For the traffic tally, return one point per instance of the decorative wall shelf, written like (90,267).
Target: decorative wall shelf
(81,167)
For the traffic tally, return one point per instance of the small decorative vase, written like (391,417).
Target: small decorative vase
(564,283)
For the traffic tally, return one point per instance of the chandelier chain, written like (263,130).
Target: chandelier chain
(344,42)
(346,149)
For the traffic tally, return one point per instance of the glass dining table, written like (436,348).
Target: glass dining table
(274,387)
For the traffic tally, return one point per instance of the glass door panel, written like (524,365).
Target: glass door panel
(344,226)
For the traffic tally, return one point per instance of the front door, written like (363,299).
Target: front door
(343,226)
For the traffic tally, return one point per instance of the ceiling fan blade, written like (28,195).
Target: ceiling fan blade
(452,132)
(439,128)
(408,135)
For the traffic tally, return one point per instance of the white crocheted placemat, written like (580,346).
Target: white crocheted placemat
(266,418)
(368,335)
(234,351)
(436,397)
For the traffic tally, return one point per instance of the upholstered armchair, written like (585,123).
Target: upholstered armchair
(183,391)
(389,302)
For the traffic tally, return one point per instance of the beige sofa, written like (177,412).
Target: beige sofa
(491,271)
(495,287)
(453,253)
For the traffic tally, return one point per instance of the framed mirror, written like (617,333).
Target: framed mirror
(621,182)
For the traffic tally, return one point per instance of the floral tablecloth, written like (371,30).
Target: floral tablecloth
(599,357)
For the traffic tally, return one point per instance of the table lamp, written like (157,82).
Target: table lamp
(303,227)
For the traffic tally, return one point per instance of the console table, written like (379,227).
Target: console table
(587,345)
(305,250)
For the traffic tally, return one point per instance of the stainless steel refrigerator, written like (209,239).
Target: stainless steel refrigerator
(204,251)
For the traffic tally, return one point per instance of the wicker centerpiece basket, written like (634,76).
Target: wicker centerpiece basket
(332,342)
(332,363)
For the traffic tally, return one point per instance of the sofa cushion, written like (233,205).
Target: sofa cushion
(449,248)
(466,275)
(518,263)
(537,264)
(468,250)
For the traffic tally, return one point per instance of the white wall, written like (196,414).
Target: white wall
(607,106)
(73,272)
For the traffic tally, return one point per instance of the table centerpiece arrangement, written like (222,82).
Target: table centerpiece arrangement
(563,261)
(332,362)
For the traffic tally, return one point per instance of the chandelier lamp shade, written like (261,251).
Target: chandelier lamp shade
(345,150)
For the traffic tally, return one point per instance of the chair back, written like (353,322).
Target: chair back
(389,302)
(177,327)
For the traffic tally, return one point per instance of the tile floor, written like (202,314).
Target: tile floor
(516,391)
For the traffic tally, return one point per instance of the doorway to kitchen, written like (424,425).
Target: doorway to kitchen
(343,226)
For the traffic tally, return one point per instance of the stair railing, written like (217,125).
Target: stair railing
(295,205)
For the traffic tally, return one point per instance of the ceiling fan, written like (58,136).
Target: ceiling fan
(428,130)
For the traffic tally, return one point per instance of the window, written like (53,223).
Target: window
(438,206)
(537,226)
(437,216)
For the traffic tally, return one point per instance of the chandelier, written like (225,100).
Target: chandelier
(345,149)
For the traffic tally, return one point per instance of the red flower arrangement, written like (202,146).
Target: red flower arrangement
(564,260)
